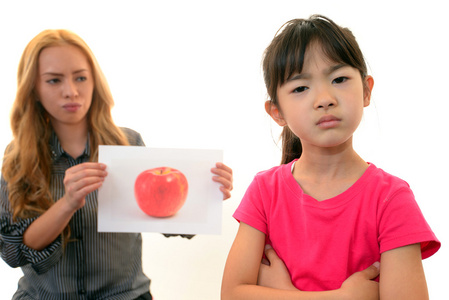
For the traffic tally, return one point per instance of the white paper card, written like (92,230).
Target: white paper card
(118,210)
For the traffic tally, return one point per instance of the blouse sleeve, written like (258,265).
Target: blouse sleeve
(134,138)
(12,249)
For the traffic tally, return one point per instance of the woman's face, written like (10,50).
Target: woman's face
(65,85)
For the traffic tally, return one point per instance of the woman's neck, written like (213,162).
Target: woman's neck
(72,138)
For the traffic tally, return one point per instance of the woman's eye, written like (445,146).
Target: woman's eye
(81,78)
(53,81)
(340,79)
(300,89)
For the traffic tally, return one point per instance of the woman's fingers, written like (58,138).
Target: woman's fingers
(81,180)
(224,177)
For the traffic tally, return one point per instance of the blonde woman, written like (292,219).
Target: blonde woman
(48,199)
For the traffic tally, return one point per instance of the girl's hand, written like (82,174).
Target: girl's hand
(361,285)
(224,177)
(273,273)
(80,180)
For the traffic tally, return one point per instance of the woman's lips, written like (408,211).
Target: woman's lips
(72,107)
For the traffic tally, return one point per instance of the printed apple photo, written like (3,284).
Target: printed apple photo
(159,190)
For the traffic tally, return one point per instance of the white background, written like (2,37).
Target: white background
(187,74)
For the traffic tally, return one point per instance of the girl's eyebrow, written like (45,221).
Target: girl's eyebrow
(328,71)
(334,68)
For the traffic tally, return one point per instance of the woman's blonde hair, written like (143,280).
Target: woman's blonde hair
(27,161)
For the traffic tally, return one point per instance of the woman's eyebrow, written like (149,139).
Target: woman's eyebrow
(51,73)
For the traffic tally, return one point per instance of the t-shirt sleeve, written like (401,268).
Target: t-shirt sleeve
(402,223)
(252,208)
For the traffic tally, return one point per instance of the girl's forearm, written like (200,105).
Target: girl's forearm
(248,292)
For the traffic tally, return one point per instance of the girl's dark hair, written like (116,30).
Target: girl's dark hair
(285,56)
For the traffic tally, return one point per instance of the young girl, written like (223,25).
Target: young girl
(48,199)
(325,217)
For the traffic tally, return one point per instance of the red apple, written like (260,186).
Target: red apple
(161,192)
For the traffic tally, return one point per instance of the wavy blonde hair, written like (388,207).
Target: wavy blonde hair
(27,161)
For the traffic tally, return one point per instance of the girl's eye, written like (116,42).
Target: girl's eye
(81,78)
(300,89)
(340,79)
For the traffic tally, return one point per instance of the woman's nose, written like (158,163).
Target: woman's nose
(70,90)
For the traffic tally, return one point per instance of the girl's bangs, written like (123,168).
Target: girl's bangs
(336,45)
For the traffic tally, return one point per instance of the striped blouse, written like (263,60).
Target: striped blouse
(96,265)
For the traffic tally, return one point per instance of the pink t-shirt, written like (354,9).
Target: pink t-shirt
(322,243)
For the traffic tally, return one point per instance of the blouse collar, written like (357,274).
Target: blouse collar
(57,151)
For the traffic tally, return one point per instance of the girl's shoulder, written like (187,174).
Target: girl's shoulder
(383,186)
(276,171)
(380,177)
(275,177)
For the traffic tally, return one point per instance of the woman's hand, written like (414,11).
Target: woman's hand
(224,177)
(273,273)
(80,180)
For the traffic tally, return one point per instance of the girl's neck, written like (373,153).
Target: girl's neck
(326,172)
(72,138)
(329,162)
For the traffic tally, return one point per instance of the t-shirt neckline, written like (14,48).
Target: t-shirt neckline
(335,201)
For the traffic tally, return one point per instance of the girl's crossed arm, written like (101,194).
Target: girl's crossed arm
(402,274)
(240,279)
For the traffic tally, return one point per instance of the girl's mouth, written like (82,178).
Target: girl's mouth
(328,121)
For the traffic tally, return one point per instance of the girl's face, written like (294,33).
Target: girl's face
(65,85)
(324,104)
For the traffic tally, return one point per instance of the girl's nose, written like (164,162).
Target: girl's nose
(324,99)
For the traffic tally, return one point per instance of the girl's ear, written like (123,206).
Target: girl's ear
(368,88)
(275,113)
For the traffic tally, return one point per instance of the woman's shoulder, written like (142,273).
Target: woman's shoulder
(134,138)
